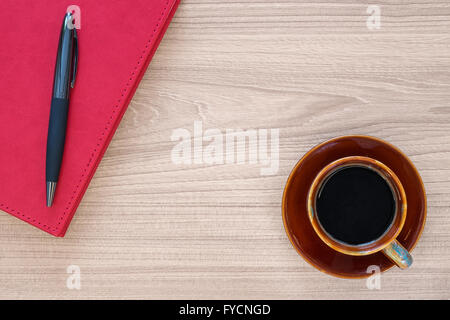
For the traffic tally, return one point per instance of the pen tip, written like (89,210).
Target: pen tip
(51,187)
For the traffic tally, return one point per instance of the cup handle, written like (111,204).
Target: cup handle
(398,254)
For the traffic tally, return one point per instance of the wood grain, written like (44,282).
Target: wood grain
(148,228)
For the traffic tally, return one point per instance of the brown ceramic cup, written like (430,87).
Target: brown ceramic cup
(387,242)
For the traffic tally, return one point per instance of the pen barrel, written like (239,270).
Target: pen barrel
(56,137)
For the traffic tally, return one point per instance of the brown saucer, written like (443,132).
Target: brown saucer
(299,228)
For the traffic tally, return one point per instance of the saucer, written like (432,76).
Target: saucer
(298,226)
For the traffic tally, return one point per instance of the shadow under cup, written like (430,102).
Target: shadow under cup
(349,227)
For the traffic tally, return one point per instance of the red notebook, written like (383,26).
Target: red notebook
(117,40)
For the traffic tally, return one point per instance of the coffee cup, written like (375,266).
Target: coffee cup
(358,206)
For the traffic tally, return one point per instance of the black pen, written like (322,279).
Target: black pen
(65,72)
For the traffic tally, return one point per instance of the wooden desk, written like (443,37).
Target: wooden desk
(149,228)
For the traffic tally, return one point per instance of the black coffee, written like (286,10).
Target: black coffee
(355,205)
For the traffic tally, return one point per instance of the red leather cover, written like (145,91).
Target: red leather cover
(117,40)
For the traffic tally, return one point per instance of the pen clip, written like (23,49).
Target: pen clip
(75,57)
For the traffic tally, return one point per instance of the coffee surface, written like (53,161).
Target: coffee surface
(355,205)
